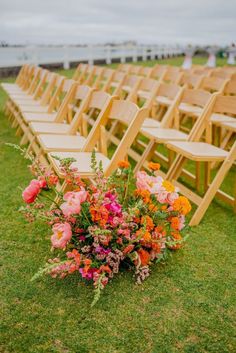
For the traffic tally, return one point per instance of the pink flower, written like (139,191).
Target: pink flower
(61,235)
(171,197)
(149,183)
(31,192)
(42,181)
(73,202)
(162,196)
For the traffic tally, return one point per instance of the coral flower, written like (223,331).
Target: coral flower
(128,249)
(61,235)
(182,205)
(144,257)
(124,164)
(31,192)
(154,166)
(73,202)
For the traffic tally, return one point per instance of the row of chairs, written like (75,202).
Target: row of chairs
(64,117)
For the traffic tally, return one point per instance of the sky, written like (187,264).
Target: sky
(100,21)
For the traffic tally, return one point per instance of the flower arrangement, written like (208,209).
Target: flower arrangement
(122,221)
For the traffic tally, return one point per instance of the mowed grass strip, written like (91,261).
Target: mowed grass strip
(186,305)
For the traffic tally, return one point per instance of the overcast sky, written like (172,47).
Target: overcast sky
(99,21)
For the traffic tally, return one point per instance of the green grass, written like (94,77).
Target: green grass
(186,305)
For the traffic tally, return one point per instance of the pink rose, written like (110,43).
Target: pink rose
(31,192)
(172,196)
(162,196)
(73,202)
(61,235)
(149,183)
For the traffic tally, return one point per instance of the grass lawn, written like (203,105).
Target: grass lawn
(186,305)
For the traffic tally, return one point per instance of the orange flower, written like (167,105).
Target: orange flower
(148,222)
(124,164)
(154,166)
(175,223)
(156,247)
(178,237)
(152,207)
(182,205)
(168,186)
(144,257)
(104,268)
(146,237)
(164,207)
(99,214)
(128,249)
(144,194)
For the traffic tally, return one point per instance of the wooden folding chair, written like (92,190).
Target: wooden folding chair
(144,93)
(24,77)
(105,79)
(146,71)
(135,69)
(190,80)
(116,110)
(75,139)
(125,68)
(205,152)
(128,87)
(158,72)
(70,117)
(160,135)
(172,75)
(95,77)
(213,84)
(80,72)
(115,83)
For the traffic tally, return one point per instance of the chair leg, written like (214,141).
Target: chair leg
(145,155)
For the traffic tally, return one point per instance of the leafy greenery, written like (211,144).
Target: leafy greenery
(187,305)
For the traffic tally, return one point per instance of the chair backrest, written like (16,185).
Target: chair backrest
(124,68)
(213,84)
(169,90)
(221,73)
(61,96)
(131,82)
(159,71)
(218,104)
(94,79)
(88,75)
(197,97)
(115,83)
(80,72)
(172,75)
(42,84)
(230,88)
(146,71)
(124,112)
(135,69)
(92,104)
(191,80)
(105,79)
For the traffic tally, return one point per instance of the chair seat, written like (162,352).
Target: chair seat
(61,142)
(11,87)
(198,151)
(149,122)
(218,119)
(143,94)
(229,126)
(83,162)
(49,117)
(25,101)
(163,135)
(49,128)
(33,109)
(163,100)
(192,110)
(126,88)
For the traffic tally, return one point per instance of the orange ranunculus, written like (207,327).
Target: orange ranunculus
(148,222)
(154,166)
(145,194)
(104,268)
(175,223)
(144,257)
(146,237)
(152,207)
(124,164)
(156,247)
(182,205)
(128,249)
(178,237)
(168,186)
(99,214)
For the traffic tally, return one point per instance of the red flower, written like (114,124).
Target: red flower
(31,192)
